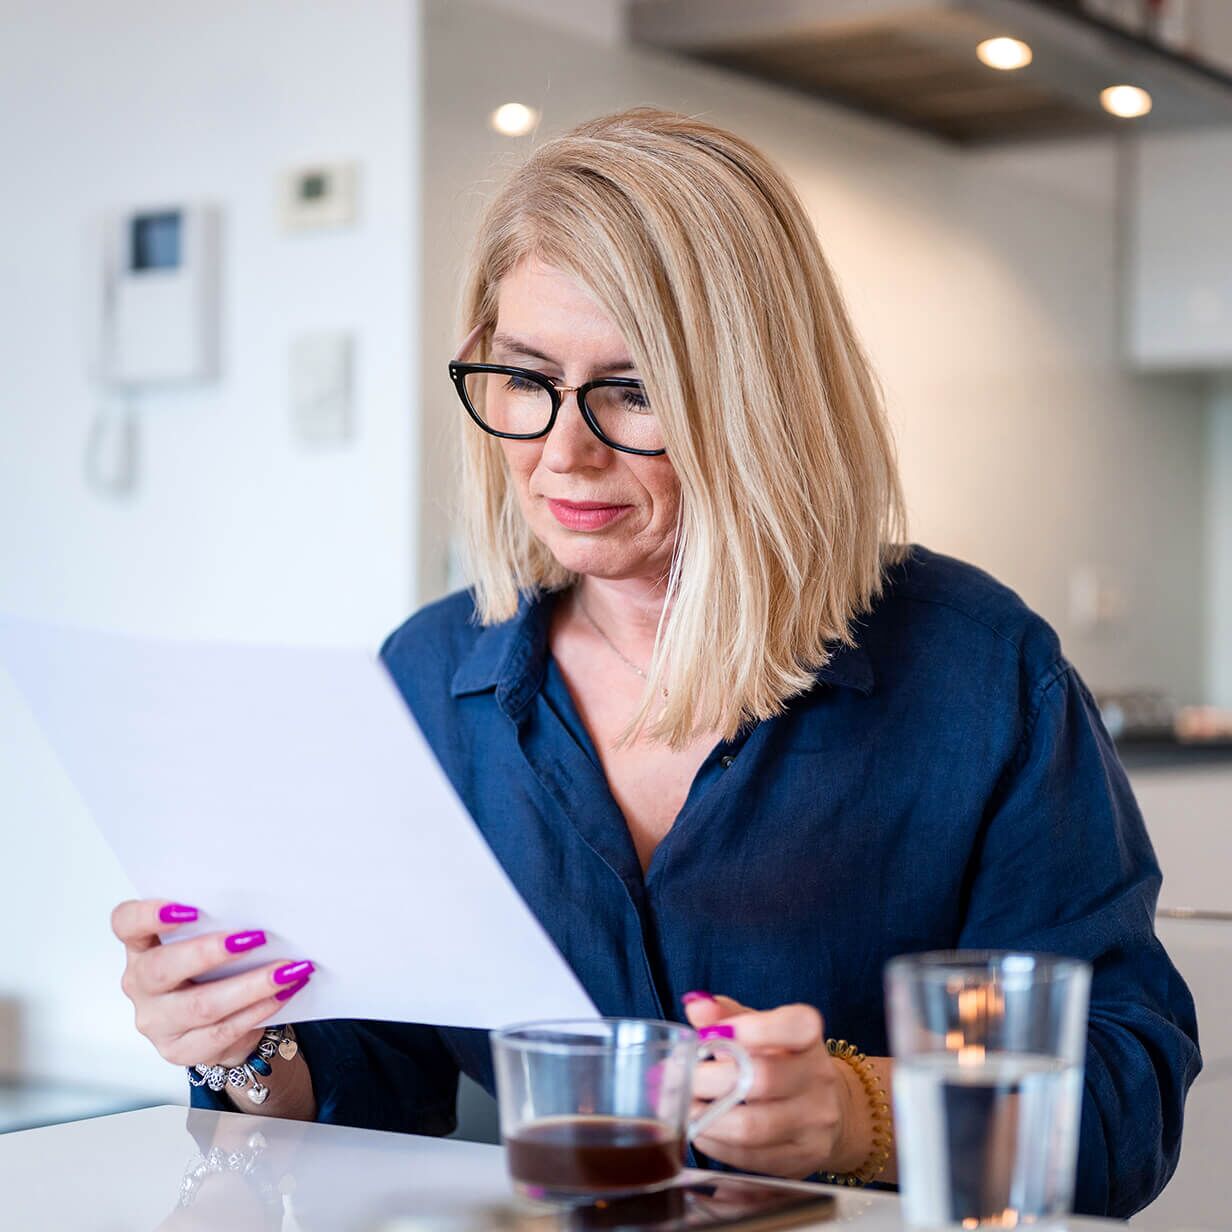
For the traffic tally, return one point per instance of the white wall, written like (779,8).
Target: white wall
(986,286)
(236,529)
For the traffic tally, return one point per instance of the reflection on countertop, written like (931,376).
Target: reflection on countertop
(196,1171)
(169,1168)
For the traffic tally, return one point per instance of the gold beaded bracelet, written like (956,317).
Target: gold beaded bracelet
(883,1122)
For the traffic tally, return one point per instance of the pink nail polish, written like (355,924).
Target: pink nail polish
(654,1084)
(238,943)
(177,913)
(288,973)
(288,993)
(690,997)
(718,1031)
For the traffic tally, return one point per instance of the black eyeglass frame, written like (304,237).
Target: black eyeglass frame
(458,373)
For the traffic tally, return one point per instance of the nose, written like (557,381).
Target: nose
(571,445)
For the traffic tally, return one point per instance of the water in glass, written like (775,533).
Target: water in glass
(986,1140)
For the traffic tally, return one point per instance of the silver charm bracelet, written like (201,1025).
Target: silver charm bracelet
(248,1074)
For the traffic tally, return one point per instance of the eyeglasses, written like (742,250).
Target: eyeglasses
(520,404)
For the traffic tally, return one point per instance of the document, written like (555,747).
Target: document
(291,790)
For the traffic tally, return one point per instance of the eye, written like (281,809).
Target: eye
(635,400)
(521,384)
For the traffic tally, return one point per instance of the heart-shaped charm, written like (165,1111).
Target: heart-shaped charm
(287,1048)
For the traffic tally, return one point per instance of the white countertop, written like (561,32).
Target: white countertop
(125,1173)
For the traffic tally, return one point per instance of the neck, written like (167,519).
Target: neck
(627,609)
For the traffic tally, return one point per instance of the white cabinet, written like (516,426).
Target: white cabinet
(1199,1196)
(1189,816)
(1179,251)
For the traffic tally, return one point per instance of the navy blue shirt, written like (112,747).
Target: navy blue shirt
(946,784)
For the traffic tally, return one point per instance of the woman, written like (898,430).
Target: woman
(734,746)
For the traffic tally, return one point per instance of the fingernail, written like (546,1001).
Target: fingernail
(290,972)
(690,997)
(719,1031)
(177,913)
(237,943)
(288,993)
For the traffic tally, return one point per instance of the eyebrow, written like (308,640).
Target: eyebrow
(511,345)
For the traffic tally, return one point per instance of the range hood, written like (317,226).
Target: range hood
(913,62)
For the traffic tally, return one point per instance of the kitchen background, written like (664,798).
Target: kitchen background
(1049,304)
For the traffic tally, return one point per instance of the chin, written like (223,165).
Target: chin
(588,561)
(587,554)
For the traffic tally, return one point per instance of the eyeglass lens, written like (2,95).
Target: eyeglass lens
(517,405)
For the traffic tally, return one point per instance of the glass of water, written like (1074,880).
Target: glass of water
(988,1053)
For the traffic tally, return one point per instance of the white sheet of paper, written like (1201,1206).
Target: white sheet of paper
(291,790)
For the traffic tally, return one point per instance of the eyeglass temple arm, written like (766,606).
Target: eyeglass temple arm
(468,343)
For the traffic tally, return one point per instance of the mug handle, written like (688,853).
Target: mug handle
(744,1083)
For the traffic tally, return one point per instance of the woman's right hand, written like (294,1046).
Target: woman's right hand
(218,1022)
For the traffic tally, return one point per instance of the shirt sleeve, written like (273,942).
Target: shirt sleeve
(1065,867)
(373,1075)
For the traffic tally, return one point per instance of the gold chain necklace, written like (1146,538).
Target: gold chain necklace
(594,624)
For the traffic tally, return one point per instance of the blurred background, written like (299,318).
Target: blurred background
(233,234)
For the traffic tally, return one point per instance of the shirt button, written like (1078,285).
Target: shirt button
(726,761)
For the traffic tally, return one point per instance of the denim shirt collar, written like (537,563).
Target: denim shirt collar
(511,658)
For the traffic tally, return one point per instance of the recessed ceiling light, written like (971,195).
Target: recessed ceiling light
(1004,53)
(1127,102)
(514,119)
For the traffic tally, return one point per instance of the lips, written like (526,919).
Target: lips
(585,515)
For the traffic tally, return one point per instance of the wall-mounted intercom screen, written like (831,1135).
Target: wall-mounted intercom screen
(155,241)
(158,311)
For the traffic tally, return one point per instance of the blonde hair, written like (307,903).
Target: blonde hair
(701,253)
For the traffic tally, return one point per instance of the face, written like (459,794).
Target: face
(599,511)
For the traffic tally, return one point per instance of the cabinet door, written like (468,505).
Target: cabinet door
(1188,815)
(1199,1196)
(1180,256)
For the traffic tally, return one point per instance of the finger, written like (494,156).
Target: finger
(166,967)
(767,1123)
(216,1044)
(199,1005)
(794,1027)
(796,1161)
(702,1008)
(774,1077)
(138,921)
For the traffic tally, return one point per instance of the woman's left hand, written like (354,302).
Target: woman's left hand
(805,1113)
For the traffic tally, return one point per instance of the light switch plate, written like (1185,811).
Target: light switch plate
(321,387)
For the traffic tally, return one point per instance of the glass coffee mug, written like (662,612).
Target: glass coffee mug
(599,1107)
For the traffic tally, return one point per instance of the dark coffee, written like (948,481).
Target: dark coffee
(594,1154)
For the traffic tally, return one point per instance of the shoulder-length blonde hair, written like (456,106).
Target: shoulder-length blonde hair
(701,252)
